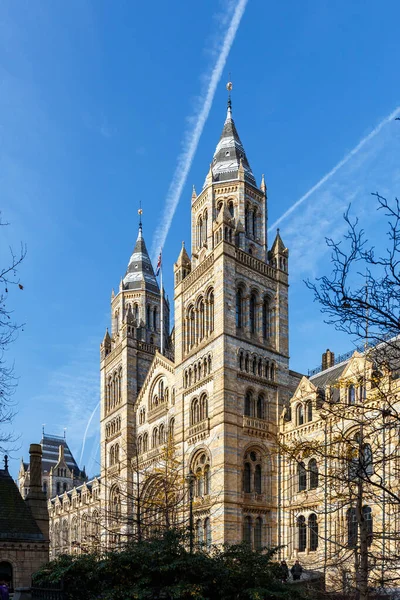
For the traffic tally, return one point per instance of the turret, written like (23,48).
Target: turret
(279,254)
(36,499)
(182,266)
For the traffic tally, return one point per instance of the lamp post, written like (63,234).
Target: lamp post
(190,478)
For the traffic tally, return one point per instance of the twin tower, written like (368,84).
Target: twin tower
(223,379)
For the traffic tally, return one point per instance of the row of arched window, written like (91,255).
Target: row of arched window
(158,437)
(77,531)
(312,534)
(312,471)
(113,427)
(142,415)
(198,371)
(160,394)
(251,363)
(113,455)
(201,229)
(355,394)
(255,405)
(352,525)
(279,263)
(198,409)
(61,472)
(254,314)
(304,413)
(199,321)
(113,391)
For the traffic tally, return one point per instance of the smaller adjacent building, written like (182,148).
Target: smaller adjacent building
(60,471)
(24,525)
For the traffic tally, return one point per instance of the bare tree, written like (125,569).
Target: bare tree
(8,333)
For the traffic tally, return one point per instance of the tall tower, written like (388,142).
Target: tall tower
(231,346)
(126,356)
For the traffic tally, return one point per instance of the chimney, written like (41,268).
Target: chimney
(36,499)
(328,359)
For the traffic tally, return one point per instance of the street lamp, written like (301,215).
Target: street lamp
(190,479)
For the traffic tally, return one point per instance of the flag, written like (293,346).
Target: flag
(158,268)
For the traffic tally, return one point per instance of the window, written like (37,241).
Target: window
(195,412)
(247,478)
(309,411)
(352,527)
(58,488)
(207,532)
(145,442)
(367,514)
(253,324)
(257,479)
(300,414)
(351,395)
(248,405)
(155,318)
(231,209)
(258,534)
(266,319)
(313,470)
(247,530)
(201,468)
(45,487)
(239,308)
(302,477)
(313,532)
(154,442)
(148,315)
(301,533)
(260,407)
(199,532)
(367,460)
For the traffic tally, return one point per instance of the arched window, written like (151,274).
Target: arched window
(139,445)
(301,533)
(136,312)
(246,363)
(254,223)
(161,390)
(199,532)
(266,330)
(313,532)
(58,488)
(116,453)
(207,532)
(300,414)
(367,514)
(201,320)
(351,395)
(301,477)
(367,460)
(313,470)
(253,303)
(155,317)
(203,407)
(246,219)
(352,527)
(239,308)
(148,316)
(201,468)
(207,480)
(195,411)
(161,435)
(154,442)
(258,534)
(248,405)
(247,530)
(247,478)
(257,479)
(145,442)
(171,431)
(260,407)
(115,504)
(241,360)
(309,411)
(111,461)
(211,310)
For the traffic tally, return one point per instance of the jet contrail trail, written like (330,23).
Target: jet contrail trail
(340,164)
(185,159)
(86,430)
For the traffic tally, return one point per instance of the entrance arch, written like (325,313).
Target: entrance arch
(6,573)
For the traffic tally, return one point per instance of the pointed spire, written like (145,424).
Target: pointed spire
(112,294)
(278,247)
(229,152)
(183,258)
(107,338)
(140,271)
(194,194)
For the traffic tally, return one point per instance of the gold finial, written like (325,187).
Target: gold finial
(140,212)
(229,87)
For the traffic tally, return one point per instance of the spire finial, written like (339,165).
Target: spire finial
(140,212)
(229,87)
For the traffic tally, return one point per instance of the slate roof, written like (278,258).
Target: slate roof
(50,448)
(140,271)
(227,155)
(16,519)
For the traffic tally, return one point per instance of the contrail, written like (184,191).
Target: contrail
(185,159)
(340,164)
(86,430)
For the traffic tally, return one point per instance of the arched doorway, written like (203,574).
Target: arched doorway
(6,573)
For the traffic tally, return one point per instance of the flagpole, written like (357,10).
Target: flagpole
(161,309)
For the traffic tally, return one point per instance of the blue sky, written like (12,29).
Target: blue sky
(97,100)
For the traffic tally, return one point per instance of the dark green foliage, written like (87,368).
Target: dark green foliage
(163,569)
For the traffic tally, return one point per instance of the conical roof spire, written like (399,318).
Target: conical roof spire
(140,271)
(230,151)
